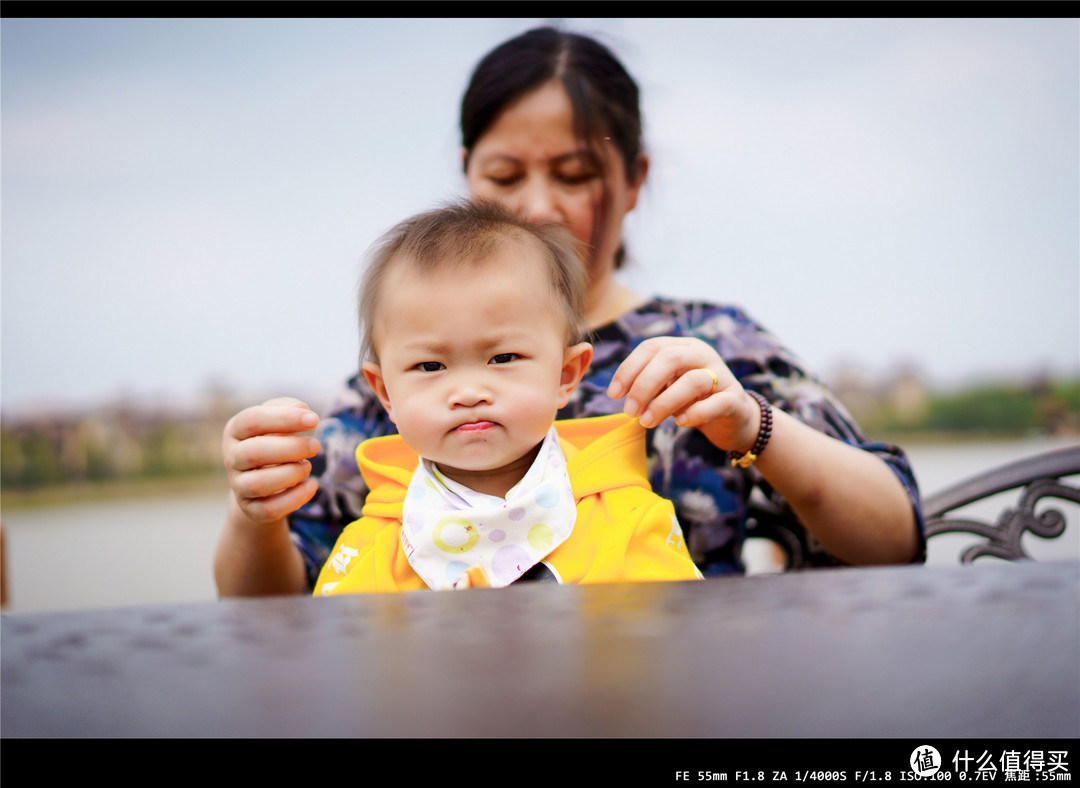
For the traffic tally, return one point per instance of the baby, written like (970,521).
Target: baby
(472,326)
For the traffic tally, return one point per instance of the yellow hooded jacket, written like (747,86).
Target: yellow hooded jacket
(623,532)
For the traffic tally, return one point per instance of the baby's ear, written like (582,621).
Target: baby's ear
(576,362)
(373,375)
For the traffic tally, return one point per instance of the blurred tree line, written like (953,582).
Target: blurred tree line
(124,442)
(987,409)
(129,442)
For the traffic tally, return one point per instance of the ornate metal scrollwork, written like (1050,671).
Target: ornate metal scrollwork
(1040,478)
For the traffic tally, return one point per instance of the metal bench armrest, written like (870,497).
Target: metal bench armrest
(1039,476)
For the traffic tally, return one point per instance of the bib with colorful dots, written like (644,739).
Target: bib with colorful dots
(448,530)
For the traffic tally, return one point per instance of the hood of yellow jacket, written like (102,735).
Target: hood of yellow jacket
(602,453)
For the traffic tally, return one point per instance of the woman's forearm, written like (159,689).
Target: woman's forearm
(253,559)
(848,498)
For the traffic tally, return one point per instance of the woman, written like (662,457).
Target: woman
(551,128)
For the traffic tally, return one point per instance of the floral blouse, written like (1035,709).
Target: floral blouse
(712,499)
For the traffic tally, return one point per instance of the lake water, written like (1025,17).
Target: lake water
(159,551)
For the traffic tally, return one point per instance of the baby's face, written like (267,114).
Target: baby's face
(472,363)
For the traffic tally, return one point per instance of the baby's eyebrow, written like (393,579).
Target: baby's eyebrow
(424,346)
(504,340)
(483,343)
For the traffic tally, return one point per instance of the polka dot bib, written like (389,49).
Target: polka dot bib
(448,529)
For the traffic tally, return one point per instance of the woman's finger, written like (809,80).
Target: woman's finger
(267,481)
(270,419)
(694,386)
(630,368)
(276,507)
(293,401)
(266,450)
(721,406)
(686,378)
(666,361)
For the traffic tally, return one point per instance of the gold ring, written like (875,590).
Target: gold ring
(715,380)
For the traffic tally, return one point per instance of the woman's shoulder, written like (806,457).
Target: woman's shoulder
(665,316)
(753,353)
(692,307)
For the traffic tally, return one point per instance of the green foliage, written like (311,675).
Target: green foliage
(993,409)
(983,409)
(46,454)
(29,461)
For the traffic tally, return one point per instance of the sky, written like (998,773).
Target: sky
(185,203)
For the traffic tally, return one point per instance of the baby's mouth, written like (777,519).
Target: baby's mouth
(475,426)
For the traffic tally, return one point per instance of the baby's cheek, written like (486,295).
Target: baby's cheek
(537,409)
(415,424)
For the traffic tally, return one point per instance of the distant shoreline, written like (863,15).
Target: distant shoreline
(86,492)
(928,438)
(216,482)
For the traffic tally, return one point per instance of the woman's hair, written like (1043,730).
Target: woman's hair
(463,235)
(604,97)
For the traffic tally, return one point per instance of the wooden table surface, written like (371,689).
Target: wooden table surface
(988,650)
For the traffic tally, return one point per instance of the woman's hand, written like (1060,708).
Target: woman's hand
(267,461)
(674,376)
(846,497)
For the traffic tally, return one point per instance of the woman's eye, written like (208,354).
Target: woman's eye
(503,358)
(503,180)
(577,178)
(429,366)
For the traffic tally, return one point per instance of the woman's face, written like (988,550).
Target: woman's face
(531,161)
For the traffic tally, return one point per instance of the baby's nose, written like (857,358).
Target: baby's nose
(469,396)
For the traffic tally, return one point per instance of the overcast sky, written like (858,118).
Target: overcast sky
(186,202)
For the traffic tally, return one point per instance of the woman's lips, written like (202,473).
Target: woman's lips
(475,426)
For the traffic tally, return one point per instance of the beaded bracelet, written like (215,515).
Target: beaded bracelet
(764,432)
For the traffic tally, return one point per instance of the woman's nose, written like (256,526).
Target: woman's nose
(539,203)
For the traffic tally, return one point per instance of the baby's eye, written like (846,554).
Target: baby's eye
(429,366)
(503,358)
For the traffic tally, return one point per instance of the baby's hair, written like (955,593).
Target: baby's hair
(465,234)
